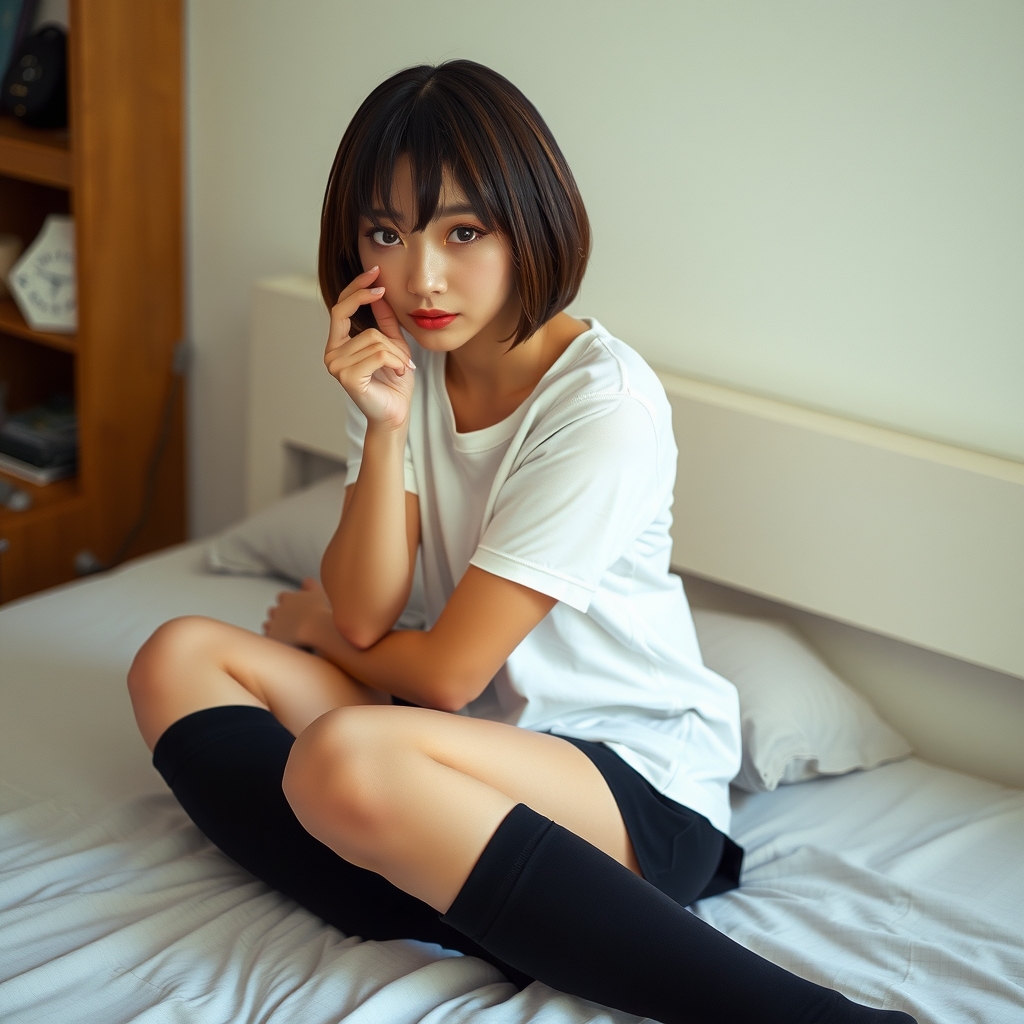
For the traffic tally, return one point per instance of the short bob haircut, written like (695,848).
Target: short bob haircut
(466,119)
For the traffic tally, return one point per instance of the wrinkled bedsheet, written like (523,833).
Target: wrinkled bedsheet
(902,887)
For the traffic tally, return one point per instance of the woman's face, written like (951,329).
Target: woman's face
(449,283)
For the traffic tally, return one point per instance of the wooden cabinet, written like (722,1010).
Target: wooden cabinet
(118,171)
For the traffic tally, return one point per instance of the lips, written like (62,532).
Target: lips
(432,319)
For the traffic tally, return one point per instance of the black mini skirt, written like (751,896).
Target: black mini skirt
(679,851)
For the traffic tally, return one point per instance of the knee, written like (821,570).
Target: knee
(338,778)
(175,643)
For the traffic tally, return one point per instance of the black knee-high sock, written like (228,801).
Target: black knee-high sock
(225,766)
(562,911)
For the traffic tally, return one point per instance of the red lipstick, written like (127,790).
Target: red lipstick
(432,319)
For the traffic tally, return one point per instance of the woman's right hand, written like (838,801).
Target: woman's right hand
(374,367)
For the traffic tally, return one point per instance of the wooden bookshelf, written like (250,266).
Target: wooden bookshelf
(118,171)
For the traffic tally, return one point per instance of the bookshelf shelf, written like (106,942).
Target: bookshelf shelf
(34,154)
(12,322)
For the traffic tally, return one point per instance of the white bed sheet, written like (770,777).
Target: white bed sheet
(902,886)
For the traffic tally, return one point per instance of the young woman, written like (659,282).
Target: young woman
(540,777)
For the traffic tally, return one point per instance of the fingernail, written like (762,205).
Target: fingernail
(372,269)
(412,365)
(376,291)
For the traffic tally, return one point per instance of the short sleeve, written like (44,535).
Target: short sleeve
(355,431)
(579,498)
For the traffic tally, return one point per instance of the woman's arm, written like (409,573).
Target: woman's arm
(444,668)
(367,568)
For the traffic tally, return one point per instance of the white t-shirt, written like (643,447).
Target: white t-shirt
(571,496)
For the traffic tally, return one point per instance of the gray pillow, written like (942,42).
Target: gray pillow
(799,719)
(288,539)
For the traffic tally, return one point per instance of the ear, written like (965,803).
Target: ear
(387,322)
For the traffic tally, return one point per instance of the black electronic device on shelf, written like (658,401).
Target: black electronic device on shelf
(35,88)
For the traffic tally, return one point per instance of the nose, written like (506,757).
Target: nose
(427,275)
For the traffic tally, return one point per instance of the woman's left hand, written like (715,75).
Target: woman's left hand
(299,615)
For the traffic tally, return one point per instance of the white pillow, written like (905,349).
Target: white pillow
(287,538)
(799,719)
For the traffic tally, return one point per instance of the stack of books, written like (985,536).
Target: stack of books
(40,444)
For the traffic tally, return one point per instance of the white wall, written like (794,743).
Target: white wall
(821,202)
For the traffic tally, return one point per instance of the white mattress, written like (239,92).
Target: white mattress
(902,886)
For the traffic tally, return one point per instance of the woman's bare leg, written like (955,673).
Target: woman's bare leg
(193,663)
(416,795)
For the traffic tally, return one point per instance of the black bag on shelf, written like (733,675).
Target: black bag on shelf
(35,87)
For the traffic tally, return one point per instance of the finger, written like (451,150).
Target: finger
(388,322)
(362,346)
(337,334)
(309,583)
(374,337)
(358,292)
(348,304)
(363,280)
(360,377)
(362,370)
(343,311)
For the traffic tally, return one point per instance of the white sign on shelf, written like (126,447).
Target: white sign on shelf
(43,280)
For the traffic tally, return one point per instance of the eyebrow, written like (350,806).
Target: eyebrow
(461,210)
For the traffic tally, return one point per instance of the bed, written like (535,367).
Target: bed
(901,885)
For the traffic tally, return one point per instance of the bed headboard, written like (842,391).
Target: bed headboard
(873,532)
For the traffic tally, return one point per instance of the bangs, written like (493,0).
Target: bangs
(432,136)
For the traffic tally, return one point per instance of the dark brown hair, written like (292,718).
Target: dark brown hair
(468,120)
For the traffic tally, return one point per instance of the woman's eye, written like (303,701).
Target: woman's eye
(384,236)
(464,235)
